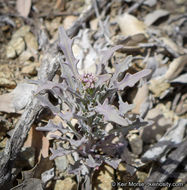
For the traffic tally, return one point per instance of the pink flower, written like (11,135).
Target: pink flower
(88,80)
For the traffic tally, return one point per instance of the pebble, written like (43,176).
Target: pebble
(21,32)
(15,47)
(61,163)
(25,56)
(26,158)
(31,41)
(104,179)
(67,184)
(3,143)
(69,21)
(30,68)
(6,77)
(136,144)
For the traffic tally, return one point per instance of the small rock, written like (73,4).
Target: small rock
(94,24)
(3,143)
(26,158)
(123,174)
(30,68)
(70,159)
(141,176)
(158,86)
(104,179)
(109,127)
(52,25)
(31,41)
(25,56)
(10,52)
(136,144)
(69,21)
(8,83)
(17,45)
(61,163)
(67,184)
(21,32)
(6,77)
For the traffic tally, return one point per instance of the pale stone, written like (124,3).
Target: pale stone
(94,24)
(141,176)
(31,41)
(21,32)
(61,163)
(6,77)
(3,143)
(26,158)
(25,56)
(104,178)
(136,144)
(69,21)
(10,52)
(30,68)
(18,45)
(157,86)
(70,159)
(67,184)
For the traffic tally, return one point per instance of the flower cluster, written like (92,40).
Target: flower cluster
(88,81)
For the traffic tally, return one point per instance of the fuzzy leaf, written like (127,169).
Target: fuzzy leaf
(110,113)
(65,43)
(119,68)
(102,79)
(131,80)
(106,55)
(47,85)
(113,162)
(51,127)
(134,125)
(76,143)
(46,103)
(59,152)
(78,168)
(124,107)
(92,163)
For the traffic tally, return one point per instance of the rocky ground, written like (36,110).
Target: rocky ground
(154,32)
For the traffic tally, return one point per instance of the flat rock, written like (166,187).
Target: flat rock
(30,68)
(136,144)
(3,143)
(61,163)
(15,47)
(21,32)
(25,56)
(31,41)
(105,178)
(26,158)
(10,52)
(67,184)
(6,77)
